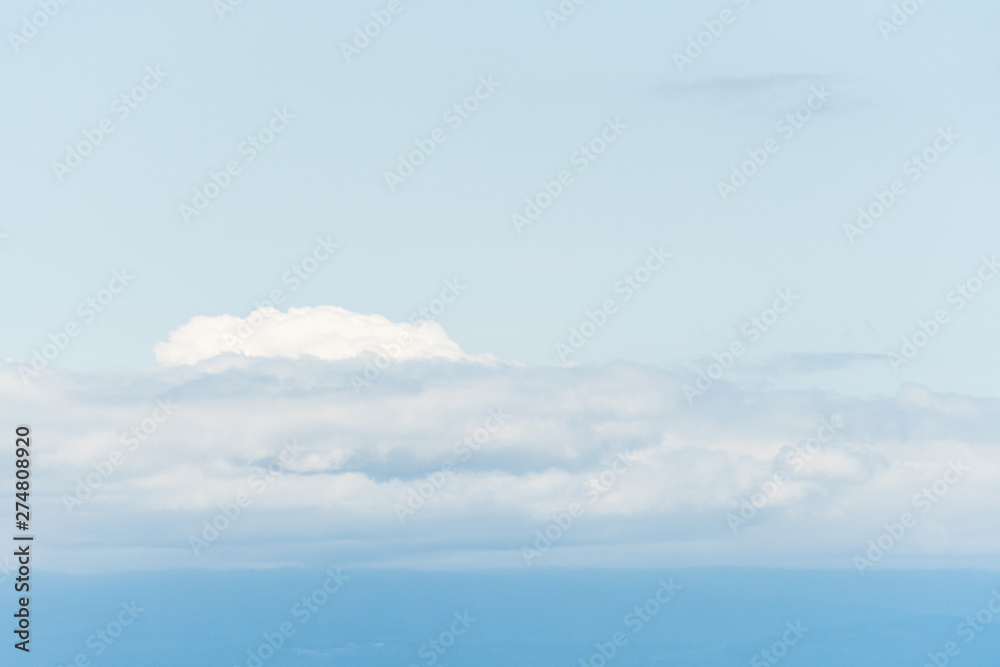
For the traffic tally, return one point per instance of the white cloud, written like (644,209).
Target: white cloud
(330,333)
(364,454)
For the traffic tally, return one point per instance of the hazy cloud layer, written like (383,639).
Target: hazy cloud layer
(505,448)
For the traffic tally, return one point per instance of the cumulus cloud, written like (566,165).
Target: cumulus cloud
(330,333)
(480,457)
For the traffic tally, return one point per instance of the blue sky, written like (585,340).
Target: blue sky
(655,185)
(702,333)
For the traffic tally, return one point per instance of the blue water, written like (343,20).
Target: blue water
(524,618)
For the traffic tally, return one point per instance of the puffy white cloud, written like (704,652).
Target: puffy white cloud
(330,333)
